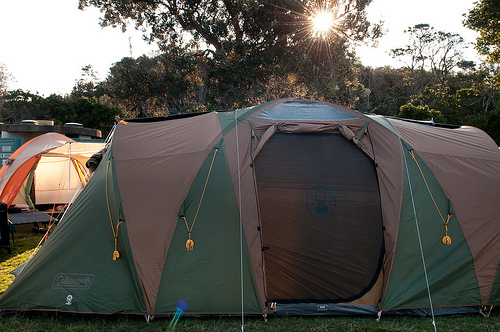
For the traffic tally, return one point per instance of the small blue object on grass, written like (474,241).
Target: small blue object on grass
(181,306)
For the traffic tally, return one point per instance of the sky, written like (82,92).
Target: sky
(399,15)
(45,44)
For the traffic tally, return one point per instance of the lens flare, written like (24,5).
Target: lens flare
(322,23)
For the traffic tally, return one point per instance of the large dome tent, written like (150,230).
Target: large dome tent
(289,207)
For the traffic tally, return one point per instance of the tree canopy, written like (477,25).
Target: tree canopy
(237,27)
(485,19)
(438,51)
(20,105)
(245,43)
(5,78)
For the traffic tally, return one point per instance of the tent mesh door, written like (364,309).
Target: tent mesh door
(321,219)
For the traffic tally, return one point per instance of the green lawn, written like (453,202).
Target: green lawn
(21,250)
(25,242)
(52,322)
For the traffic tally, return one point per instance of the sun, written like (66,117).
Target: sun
(322,23)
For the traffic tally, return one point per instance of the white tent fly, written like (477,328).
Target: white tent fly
(47,170)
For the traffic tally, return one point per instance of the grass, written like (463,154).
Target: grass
(52,322)
(21,250)
(26,242)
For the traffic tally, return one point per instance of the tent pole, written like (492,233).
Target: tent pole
(418,233)
(241,221)
(69,174)
(110,135)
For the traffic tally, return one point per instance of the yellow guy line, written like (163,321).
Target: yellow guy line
(116,254)
(190,243)
(446,239)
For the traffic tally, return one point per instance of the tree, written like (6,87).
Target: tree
(430,49)
(389,88)
(485,19)
(492,127)
(419,112)
(21,105)
(5,79)
(433,58)
(93,114)
(243,43)
(160,85)
(413,55)
(87,85)
(233,26)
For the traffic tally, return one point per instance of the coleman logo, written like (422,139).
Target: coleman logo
(73,281)
(321,202)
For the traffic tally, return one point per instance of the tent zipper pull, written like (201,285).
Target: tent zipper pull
(116,254)
(189,243)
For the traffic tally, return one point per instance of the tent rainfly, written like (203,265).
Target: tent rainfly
(290,207)
(48,169)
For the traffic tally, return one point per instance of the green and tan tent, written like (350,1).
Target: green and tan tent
(289,207)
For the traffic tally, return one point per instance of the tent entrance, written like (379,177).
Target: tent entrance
(321,218)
